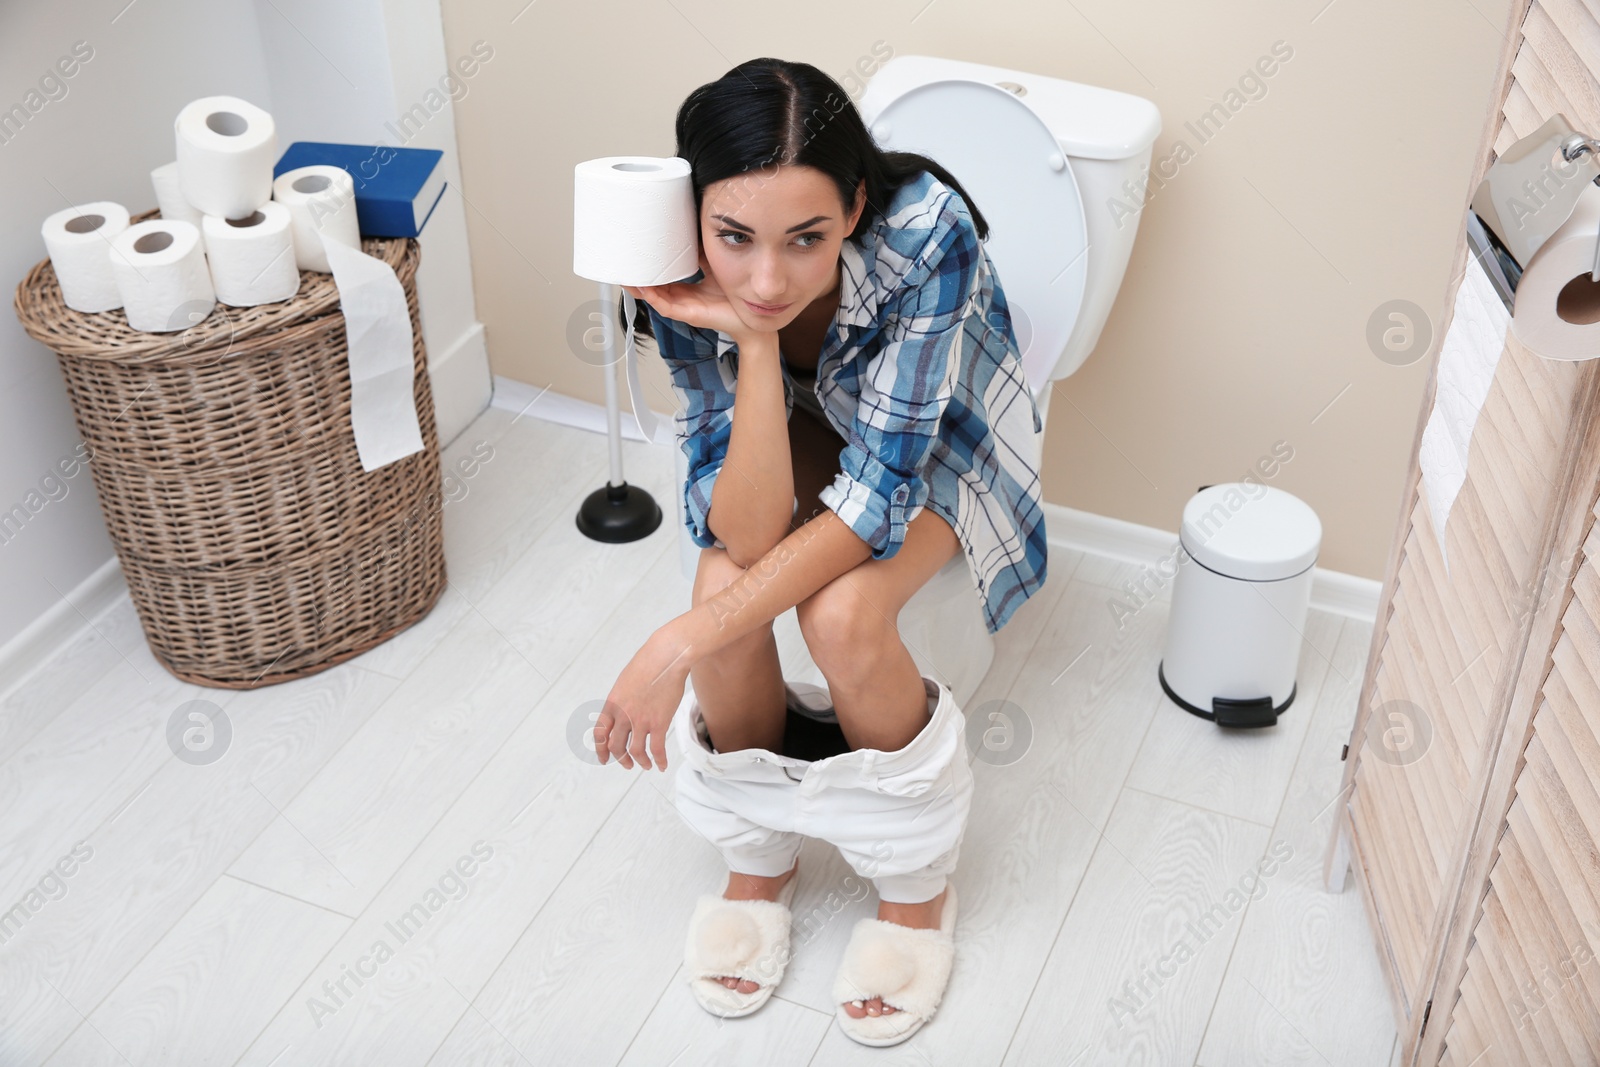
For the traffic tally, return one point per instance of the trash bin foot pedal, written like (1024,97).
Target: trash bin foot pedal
(1230,712)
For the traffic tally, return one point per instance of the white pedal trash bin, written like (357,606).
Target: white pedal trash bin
(1239,603)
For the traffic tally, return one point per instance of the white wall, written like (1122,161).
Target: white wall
(1336,186)
(324,74)
(349,72)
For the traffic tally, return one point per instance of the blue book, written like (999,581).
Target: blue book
(396,188)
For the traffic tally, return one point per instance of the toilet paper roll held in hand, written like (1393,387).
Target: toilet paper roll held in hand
(322,203)
(634,220)
(1557,309)
(252,259)
(161,274)
(226,148)
(78,241)
(635,223)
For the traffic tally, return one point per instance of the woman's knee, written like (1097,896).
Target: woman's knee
(842,627)
(716,571)
(715,574)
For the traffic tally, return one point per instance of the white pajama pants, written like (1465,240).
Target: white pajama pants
(897,817)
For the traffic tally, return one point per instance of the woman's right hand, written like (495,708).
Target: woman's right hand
(701,303)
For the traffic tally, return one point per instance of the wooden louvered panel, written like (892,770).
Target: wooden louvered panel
(1539,1041)
(1480,1022)
(1540,919)
(1429,660)
(1541,88)
(1463,652)
(1538,916)
(1506,139)
(1451,638)
(1483,568)
(1548,396)
(1417,601)
(1430,793)
(1390,872)
(1521,116)
(1478,862)
(1559,57)
(1424,584)
(1513,485)
(1577,23)
(1392,784)
(1544,849)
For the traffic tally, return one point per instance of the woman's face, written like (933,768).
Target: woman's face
(774,240)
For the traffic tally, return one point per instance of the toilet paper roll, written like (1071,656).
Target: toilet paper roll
(161,274)
(226,148)
(78,240)
(1557,309)
(634,220)
(252,259)
(322,203)
(169,195)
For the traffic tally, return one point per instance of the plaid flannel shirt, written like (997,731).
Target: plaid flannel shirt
(921,376)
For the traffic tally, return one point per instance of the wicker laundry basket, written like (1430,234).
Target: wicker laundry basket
(255,547)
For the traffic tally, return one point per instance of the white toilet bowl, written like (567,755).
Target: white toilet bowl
(1055,168)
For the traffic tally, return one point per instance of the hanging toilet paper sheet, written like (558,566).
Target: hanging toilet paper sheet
(1467,360)
(377,322)
(652,429)
(78,240)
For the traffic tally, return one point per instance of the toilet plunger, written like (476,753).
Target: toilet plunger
(619,512)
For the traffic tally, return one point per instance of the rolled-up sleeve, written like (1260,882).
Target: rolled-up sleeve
(907,386)
(704,386)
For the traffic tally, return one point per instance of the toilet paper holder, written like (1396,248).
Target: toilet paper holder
(1528,192)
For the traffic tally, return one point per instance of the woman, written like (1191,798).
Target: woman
(844,296)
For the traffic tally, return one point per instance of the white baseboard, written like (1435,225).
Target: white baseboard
(60,625)
(522,398)
(1130,542)
(1331,591)
(461,384)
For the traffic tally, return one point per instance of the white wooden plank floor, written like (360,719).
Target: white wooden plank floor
(401,861)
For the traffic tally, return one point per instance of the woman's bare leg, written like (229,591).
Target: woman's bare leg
(740,686)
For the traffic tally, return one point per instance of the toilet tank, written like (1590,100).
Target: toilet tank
(1106,137)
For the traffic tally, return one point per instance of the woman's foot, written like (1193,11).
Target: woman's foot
(924,916)
(754,887)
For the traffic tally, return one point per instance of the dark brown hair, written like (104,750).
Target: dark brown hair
(769,112)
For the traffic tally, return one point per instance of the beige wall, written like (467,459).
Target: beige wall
(1242,321)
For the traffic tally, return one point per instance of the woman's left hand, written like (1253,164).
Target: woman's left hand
(642,702)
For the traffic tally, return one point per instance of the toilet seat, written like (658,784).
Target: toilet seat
(1022,181)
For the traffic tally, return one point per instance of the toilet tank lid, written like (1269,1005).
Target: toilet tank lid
(1090,121)
(1251,531)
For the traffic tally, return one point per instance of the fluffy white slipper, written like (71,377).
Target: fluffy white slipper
(906,967)
(746,939)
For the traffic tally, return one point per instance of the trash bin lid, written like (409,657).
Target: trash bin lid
(1251,531)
